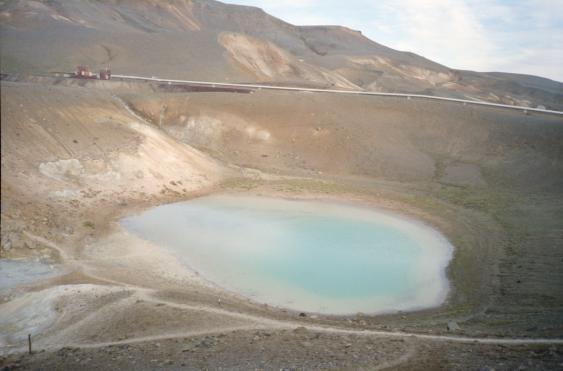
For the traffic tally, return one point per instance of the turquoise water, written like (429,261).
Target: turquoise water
(305,255)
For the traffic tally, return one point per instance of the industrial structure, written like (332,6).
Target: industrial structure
(83,72)
(105,74)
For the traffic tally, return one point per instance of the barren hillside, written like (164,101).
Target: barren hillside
(80,155)
(209,40)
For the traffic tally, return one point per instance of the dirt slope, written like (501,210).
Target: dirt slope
(505,166)
(77,156)
(186,39)
(67,148)
(89,142)
(380,137)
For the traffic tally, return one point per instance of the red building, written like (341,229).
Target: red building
(105,74)
(83,72)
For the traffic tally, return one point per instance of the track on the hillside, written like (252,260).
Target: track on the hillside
(234,87)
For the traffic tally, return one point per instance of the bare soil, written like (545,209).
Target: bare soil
(75,159)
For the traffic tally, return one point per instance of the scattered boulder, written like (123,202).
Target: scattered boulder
(300,330)
(204,344)
(7,244)
(453,326)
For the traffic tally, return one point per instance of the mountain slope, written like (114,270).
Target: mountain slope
(206,39)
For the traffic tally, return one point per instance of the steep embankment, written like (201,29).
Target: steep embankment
(67,149)
(76,158)
(388,138)
(498,170)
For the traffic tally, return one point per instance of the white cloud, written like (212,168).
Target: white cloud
(443,30)
(523,36)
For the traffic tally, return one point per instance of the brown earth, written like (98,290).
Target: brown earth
(78,156)
(211,41)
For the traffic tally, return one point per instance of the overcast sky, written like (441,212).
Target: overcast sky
(523,36)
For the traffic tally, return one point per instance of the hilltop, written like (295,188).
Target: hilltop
(79,155)
(212,41)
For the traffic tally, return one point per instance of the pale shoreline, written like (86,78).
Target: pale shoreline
(118,257)
(302,301)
